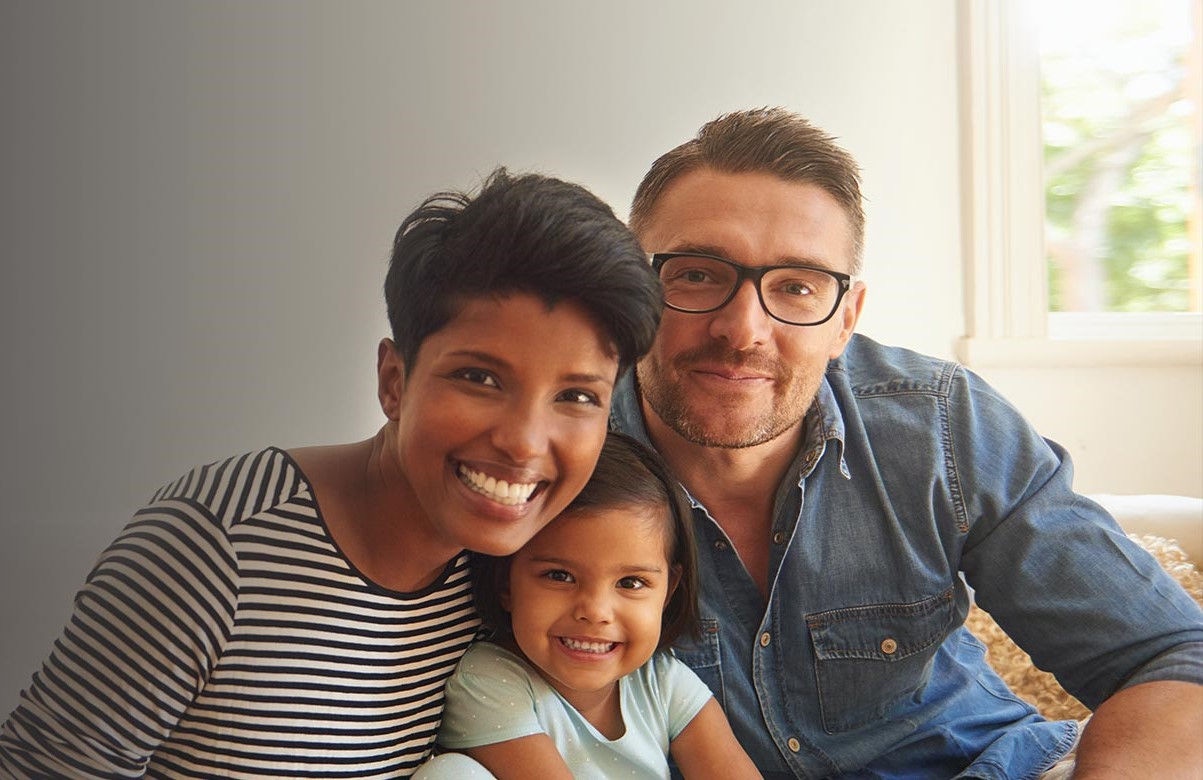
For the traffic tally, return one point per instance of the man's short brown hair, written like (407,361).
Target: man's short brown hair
(761,140)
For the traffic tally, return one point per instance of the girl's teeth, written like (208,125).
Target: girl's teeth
(587,647)
(497,489)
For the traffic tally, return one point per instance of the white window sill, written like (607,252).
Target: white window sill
(1078,353)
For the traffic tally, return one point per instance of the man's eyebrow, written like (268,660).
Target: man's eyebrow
(714,251)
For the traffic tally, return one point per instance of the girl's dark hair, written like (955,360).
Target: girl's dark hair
(628,474)
(520,234)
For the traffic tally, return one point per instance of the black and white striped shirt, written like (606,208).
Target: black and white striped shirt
(223,634)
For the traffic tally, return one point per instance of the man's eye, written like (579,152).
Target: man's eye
(632,583)
(800,289)
(579,397)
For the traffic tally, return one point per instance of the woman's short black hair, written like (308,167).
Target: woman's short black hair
(520,234)
(628,474)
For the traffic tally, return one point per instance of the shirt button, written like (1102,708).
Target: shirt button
(720,545)
(765,639)
(779,537)
(793,744)
(888,646)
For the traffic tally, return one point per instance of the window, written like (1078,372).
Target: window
(1103,155)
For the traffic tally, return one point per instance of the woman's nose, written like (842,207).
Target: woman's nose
(523,433)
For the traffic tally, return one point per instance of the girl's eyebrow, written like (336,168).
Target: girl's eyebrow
(630,568)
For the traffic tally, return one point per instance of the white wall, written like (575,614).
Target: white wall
(198,199)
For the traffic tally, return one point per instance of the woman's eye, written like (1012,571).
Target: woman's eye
(477,376)
(632,583)
(580,397)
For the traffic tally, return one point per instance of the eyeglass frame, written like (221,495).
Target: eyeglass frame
(755,274)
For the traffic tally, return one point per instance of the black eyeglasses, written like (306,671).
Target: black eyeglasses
(793,294)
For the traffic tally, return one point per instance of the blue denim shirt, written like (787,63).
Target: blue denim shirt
(915,479)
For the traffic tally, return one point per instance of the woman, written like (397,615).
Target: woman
(296,613)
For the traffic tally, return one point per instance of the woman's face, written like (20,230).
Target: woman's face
(499,421)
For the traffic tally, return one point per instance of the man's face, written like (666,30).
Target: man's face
(736,377)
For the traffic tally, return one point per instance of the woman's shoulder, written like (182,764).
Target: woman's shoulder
(236,487)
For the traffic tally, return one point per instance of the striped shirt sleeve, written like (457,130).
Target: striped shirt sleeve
(145,633)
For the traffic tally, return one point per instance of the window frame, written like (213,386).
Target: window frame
(1006,294)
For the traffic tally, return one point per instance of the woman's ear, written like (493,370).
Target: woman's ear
(390,378)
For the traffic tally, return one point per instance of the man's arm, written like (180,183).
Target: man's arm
(1153,729)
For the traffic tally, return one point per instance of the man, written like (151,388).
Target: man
(845,493)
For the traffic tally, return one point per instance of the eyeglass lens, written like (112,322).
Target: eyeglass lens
(700,284)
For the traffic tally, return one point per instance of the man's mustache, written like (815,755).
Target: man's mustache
(718,353)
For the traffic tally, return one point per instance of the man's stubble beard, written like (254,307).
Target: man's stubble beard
(792,397)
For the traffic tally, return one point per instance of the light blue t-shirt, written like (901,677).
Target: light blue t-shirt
(495,696)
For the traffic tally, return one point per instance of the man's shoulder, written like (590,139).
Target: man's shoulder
(868,367)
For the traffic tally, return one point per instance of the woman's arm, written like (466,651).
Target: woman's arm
(146,629)
(707,748)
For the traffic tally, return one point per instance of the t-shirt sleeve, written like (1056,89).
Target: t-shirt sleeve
(685,693)
(490,698)
(146,630)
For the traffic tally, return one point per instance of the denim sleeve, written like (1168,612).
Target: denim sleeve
(1052,567)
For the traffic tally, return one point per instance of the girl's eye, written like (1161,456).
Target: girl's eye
(580,397)
(476,376)
(632,583)
(558,575)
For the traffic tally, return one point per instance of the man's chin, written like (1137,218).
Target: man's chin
(731,434)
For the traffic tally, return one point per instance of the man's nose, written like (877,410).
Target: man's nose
(742,322)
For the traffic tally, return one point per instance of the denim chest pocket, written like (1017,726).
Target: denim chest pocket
(868,659)
(702,655)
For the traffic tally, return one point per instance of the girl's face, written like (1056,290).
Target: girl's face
(586,597)
(498,423)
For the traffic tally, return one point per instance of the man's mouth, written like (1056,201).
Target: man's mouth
(507,493)
(587,646)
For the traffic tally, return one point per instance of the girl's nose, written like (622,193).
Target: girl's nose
(592,606)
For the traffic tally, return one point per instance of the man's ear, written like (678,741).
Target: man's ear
(848,315)
(390,378)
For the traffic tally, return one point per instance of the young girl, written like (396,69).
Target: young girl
(579,682)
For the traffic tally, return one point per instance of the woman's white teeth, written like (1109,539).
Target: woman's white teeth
(497,489)
(587,647)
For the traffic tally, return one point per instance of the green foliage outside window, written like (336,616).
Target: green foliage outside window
(1121,144)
